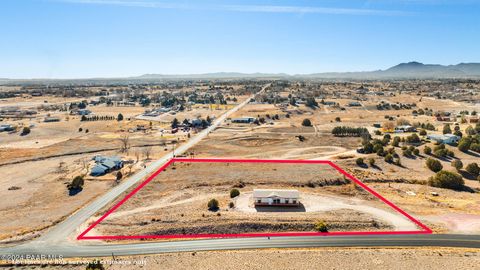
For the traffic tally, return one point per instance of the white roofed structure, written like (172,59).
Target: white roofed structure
(276,197)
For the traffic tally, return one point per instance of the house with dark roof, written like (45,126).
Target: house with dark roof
(104,165)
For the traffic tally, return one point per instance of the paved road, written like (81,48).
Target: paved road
(432,240)
(60,232)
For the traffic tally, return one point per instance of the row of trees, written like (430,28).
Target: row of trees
(344,131)
(97,118)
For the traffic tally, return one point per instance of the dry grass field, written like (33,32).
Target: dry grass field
(175,202)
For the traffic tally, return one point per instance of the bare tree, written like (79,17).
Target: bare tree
(125,141)
(147,151)
(85,164)
(62,167)
(130,167)
(137,156)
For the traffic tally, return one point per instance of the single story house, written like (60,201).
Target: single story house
(51,119)
(6,127)
(83,112)
(444,118)
(244,120)
(105,165)
(276,197)
(445,138)
(354,104)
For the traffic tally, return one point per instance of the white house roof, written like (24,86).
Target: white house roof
(269,193)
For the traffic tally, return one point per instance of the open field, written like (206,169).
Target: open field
(313,258)
(175,202)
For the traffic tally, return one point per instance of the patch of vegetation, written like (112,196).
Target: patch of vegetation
(473,169)
(349,132)
(320,226)
(234,193)
(306,123)
(213,205)
(434,165)
(446,179)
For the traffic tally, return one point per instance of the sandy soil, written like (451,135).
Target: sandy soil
(324,203)
(324,258)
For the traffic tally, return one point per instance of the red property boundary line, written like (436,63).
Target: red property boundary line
(82,236)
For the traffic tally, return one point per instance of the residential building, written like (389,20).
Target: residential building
(445,138)
(276,197)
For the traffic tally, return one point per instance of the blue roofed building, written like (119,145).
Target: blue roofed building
(105,165)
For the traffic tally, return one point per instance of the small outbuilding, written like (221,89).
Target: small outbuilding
(276,197)
(245,120)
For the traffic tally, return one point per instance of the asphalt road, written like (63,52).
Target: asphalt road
(431,240)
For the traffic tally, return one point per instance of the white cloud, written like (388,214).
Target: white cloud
(242,8)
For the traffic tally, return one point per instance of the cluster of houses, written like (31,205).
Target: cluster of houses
(452,117)
(104,165)
(159,111)
(16,112)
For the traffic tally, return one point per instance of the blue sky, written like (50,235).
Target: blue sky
(110,38)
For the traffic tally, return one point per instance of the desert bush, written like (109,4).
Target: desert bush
(77,183)
(320,226)
(473,169)
(360,161)
(457,164)
(306,123)
(371,161)
(234,193)
(213,205)
(434,165)
(446,179)
(25,131)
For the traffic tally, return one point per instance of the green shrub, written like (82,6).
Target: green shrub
(464,144)
(360,162)
(457,164)
(446,179)
(371,161)
(407,153)
(389,158)
(447,129)
(25,131)
(306,123)
(234,193)
(213,205)
(434,165)
(475,147)
(77,183)
(320,226)
(427,150)
(473,169)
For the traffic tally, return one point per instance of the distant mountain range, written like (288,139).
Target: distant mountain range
(411,70)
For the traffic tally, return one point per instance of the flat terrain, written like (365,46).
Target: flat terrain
(175,202)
